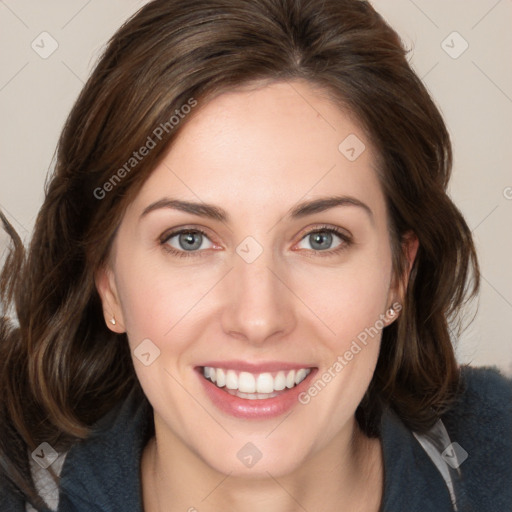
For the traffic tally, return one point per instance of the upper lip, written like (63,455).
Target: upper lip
(251,367)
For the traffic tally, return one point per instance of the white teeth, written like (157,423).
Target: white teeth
(265,383)
(250,385)
(231,380)
(252,396)
(280,381)
(290,379)
(246,383)
(300,375)
(221,377)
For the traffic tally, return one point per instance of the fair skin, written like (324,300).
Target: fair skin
(257,154)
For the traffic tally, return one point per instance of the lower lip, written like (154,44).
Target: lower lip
(254,409)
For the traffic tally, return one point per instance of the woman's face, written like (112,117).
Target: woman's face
(279,283)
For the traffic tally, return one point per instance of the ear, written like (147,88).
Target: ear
(409,246)
(107,289)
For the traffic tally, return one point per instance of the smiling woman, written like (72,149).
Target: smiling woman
(257,314)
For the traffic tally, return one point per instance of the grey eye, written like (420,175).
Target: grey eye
(320,240)
(188,241)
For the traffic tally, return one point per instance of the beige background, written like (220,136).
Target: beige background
(472,88)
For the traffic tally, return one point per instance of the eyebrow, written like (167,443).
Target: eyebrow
(217,213)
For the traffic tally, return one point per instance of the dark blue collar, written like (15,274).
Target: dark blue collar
(411,480)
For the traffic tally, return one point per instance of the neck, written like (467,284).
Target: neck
(343,476)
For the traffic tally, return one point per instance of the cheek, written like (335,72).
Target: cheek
(160,304)
(350,301)
(350,298)
(154,296)
(168,303)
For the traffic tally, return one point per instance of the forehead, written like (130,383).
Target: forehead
(267,148)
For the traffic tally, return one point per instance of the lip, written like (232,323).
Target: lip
(260,409)
(246,366)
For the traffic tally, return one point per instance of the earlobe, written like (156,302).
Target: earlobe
(107,290)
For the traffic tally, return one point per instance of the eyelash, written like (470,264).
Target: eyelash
(181,254)
(346,242)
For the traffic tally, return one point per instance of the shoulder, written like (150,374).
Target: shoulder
(484,405)
(102,472)
(10,499)
(480,422)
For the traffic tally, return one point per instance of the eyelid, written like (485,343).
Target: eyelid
(177,230)
(326,227)
(180,253)
(344,235)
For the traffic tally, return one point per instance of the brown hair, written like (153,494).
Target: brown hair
(62,368)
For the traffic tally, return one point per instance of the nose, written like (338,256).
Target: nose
(259,305)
